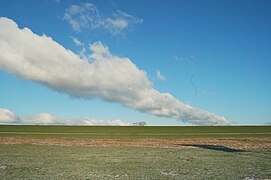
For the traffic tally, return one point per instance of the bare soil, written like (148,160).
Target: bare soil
(236,143)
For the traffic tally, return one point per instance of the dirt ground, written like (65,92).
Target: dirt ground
(235,143)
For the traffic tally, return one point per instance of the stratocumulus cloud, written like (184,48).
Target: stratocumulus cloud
(8,117)
(112,78)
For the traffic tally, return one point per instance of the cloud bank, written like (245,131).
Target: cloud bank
(87,15)
(112,78)
(8,117)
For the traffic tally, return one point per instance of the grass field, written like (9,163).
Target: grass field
(73,152)
(132,132)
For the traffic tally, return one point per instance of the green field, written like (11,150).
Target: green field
(132,132)
(208,153)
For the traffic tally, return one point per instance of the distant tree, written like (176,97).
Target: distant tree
(140,123)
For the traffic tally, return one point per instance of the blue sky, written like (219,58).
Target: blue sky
(213,55)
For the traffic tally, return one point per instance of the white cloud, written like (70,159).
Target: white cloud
(120,21)
(112,78)
(42,118)
(160,76)
(76,41)
(92,122)
(87,15)
(8,117)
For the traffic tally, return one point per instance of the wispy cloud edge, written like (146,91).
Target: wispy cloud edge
(87,15)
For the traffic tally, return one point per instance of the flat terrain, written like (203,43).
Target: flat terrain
(74,152)
(134,132)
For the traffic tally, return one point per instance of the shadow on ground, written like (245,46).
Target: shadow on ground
(213,147)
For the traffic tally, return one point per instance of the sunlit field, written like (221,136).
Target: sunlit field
(74,152)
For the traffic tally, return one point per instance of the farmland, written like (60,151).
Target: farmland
(74,152)
(134,132)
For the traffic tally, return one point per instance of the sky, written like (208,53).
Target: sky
(168,63)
